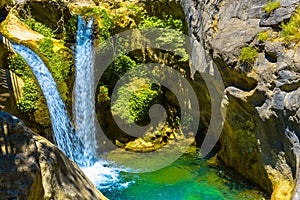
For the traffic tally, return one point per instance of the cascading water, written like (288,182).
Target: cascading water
(79,145)
(84,91)
(63,130)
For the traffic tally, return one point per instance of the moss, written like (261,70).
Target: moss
(248,55)
(60,63)
(271,6)
(291,30)
(41,114)
(106,23)
(29,97)
(37,26)
(263,36)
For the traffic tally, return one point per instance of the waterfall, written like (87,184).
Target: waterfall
(84,91)
(79,145)
(63,129)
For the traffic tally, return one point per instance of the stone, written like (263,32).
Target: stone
(276,17)
(33,168)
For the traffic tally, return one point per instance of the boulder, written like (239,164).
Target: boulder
(33,168)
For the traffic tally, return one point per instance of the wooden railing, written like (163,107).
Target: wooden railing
(6,145)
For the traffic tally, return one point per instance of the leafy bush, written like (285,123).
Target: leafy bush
(172,39)
(117,69)
(133,105)
(291,30)
(29,98)
(60,63)
(271,6)
(263,36)
(248,55)
(166,22)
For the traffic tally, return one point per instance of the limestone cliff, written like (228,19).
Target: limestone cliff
(263,97)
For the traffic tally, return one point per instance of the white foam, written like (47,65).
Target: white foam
(105,174)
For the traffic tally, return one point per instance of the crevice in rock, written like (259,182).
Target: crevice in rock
(290,87)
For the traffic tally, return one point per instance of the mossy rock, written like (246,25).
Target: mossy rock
(54,16)
(17,31)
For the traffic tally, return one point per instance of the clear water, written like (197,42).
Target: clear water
(84,92)
(188,178)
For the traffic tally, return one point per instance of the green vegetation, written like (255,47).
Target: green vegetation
(170,39)
(248,55)
(37,26)
(271,6)
(134,8)
(136,97)
(28,101)
(107,23)
(103,95)
(133,105)
(291,30)
(263,36)
(69,29)
(166,22)
(29,98)
(117,69)
(60,63)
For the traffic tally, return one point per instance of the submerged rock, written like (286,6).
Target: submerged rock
(33,168)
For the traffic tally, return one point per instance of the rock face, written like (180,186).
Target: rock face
(33,168)
(263,97)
